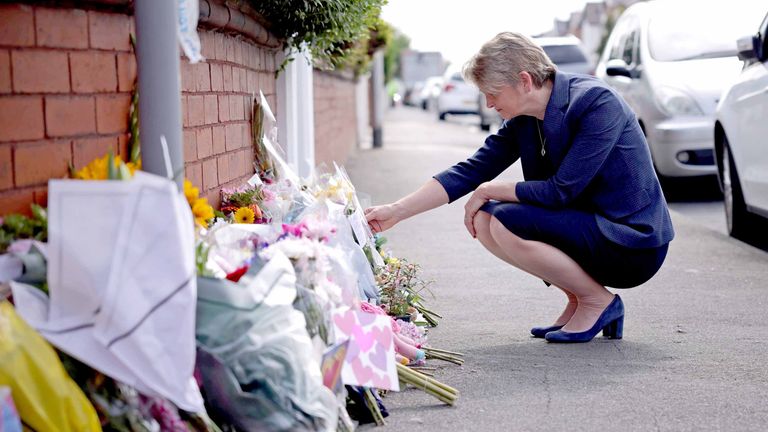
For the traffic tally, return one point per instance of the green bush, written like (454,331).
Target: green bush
(332,29)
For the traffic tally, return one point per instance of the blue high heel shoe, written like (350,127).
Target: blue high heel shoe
(611,322)
(539,332)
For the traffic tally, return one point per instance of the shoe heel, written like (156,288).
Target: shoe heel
(615,329)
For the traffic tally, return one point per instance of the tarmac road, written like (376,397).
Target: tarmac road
(694,351)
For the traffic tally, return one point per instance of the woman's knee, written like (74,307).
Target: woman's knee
(502,235)
(481,222)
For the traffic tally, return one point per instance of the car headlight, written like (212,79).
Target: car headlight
(676,102)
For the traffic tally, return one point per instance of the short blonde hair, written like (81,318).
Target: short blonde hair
(500,61)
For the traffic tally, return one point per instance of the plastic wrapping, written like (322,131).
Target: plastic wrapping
(266,351)
(46,397)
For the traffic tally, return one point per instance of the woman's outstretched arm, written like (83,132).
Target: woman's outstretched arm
(383,217)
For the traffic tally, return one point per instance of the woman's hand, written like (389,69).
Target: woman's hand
(476,200)
(381,218)
(500,191)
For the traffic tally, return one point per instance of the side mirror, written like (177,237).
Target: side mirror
(748,48)
(617,67)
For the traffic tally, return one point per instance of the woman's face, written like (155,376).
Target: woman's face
(508,101)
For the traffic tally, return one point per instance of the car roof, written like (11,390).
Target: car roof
(557,40)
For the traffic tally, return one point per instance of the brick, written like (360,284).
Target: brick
(210,174)
(184,112)
(202,77)
(196,107)
(61,28)
(70,115)
(41,196)
(204,143)
(40,71)
(250,84)
(109,31)
(36,163)
(124,146)
(17,26)
(219,139)
(214,197)
(239,52)
(16,201)
(84,150)
(21,118)
(217,78)
(112,113)
(234,136)
(236,79)
(126,71)
(93,72)
(243,80)
(229,46)
(207,44)
(6,167)
(218,47)
(223,166)
(211,109)
(226,73)
(5,71)
(236,107)
(224,108)
(188,82)
(246,128)
(190,146)
(194,173)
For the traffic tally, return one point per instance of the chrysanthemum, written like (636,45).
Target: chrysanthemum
(191,192)
(244,215)
(202,211)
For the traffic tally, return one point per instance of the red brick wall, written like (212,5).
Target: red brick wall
(65,82)
(335,116)
(217,108)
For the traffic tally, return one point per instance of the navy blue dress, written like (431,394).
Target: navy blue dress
(593,194)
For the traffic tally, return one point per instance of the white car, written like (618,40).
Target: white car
(456,97)
(672,70)
(741,139)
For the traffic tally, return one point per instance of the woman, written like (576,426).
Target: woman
(590,212)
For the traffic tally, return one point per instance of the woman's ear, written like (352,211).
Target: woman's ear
(526,81)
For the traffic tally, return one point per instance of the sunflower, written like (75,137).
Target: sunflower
(244,215)
(202,211)
(192,193)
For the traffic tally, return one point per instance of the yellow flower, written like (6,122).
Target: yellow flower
(97,168)
(192,193)
(244,215)
(202,211)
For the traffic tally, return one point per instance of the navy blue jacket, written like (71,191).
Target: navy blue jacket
(597,160)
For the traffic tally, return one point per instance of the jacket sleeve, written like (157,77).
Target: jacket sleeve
(597,133)
(497,154)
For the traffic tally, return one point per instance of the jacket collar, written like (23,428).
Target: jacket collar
(560,91)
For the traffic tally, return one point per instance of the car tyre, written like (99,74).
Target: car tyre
(738,219)
(485,127)
(441,116)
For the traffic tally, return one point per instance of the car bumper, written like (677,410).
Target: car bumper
(683,147)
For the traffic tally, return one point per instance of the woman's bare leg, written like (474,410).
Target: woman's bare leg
(482,224)
(551,264)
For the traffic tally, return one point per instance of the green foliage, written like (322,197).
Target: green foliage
(330,28)
(17,227)
(245,197)
(610,22)
(398,43)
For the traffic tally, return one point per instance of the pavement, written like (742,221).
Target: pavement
(695,341)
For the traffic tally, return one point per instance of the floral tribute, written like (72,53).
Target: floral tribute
(280,271)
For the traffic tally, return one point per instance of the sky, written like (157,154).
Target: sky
(459,28)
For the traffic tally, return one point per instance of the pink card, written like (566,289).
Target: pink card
(370,360)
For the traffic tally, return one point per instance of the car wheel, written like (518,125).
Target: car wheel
(737,217)
(441,116)
(485,127)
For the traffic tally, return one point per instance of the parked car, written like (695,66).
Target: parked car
(672,71)
(456,96)
(427,97)
(741,139)
(566,52)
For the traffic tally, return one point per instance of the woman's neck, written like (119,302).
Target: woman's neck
(540,99)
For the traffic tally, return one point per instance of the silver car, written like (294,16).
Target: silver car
(672,71)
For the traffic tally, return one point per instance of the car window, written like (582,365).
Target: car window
(565,54)
(712,34)
(628,49)
(457,77)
